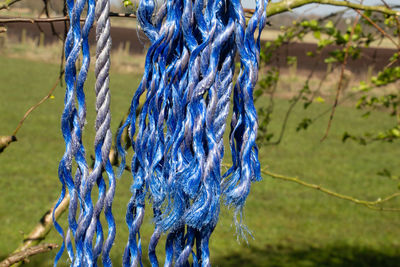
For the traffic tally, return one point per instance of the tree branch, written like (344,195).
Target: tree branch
(42,228)
(25,254)
(288,5)
(122,15)
(5,141)
(7,3)
(342,69)
(55,19)
(366,203)
(49,94)
(379,28)
(34,20)
(272,9)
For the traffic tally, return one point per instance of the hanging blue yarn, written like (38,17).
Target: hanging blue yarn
(246,167)
(178,146)
(82,231)
(177,137)
(71,128)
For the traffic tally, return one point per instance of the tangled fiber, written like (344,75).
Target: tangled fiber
(176,125)
(178,145)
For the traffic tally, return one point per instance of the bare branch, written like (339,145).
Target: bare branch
(379,28)
(49,94)
(7,3)
(34,20)
(5,141)
(25,254)
(55,19)
(122,15)
(295,101)
(42,228)
(369,204)
(339,87)
(272,9)
(288,5)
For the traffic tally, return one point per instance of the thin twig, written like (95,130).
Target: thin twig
(272,9)
(7,3)
(44,226)
(321,82)
(295,101)
(368,204)
(33,20)
(396,18)
(25,254)
(378,28)
(65,13)
(55,19)
(287,5)
(122,15)
(47,12)
(50,93)
(320,115)
(339,87)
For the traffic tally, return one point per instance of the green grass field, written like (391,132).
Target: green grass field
(292,225)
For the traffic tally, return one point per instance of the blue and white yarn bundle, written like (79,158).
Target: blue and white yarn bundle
(81,231)
(178,145)
(177,136)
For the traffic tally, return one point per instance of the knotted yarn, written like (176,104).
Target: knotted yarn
(177,137)
(80,234)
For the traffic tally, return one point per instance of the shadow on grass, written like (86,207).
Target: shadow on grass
(331,256)
(47,260)
(334,256)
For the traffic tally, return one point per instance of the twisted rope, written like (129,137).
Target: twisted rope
(102,146)
(178,145)
(246,167)
(73,121)
(187,83)
(71,126)
(82,171)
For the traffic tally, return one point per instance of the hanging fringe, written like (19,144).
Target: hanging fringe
(71,127)
(187,86)
(178,145)
(80,234)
